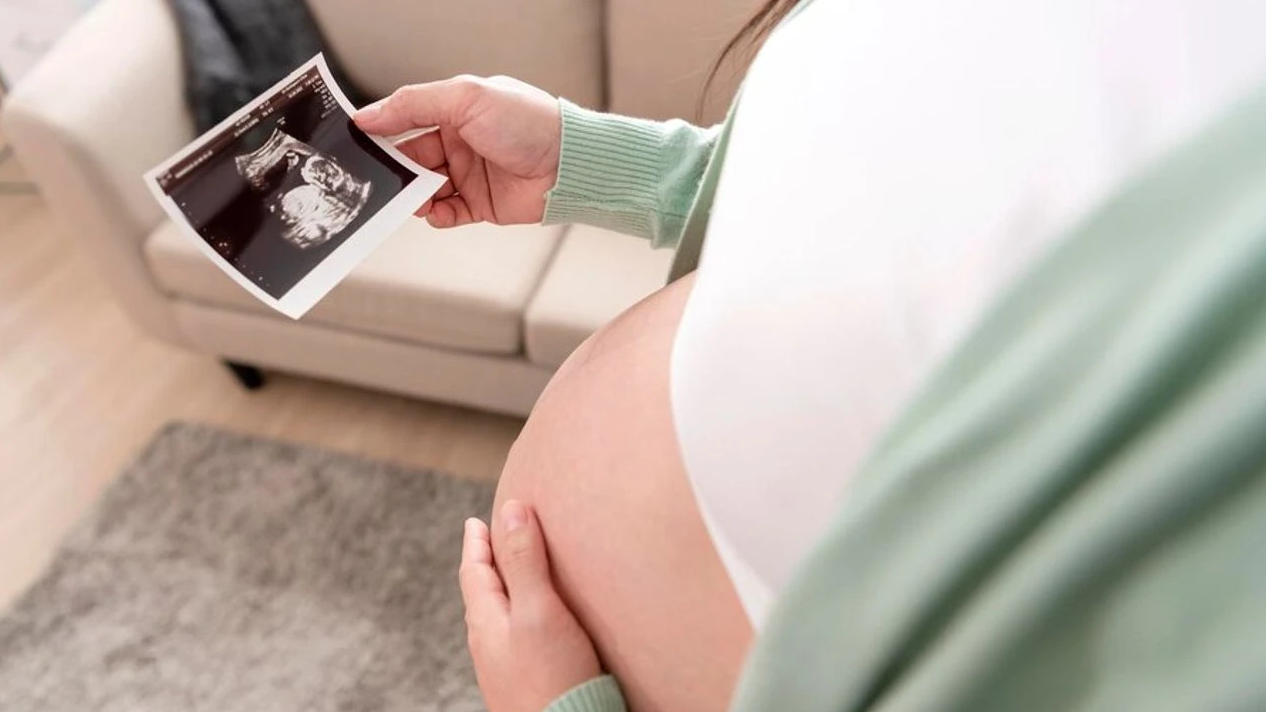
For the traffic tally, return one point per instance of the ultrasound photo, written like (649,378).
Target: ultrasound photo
(323,204)
(288,195)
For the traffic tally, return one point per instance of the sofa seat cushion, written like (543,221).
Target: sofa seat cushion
(595,276)
(465,288)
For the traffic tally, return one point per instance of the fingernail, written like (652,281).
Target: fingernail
(368,113)
(513,515)
(470,526)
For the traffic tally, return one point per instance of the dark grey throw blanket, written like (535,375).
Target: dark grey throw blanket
(235,49)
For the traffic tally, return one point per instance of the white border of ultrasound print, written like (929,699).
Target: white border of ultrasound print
(335,267)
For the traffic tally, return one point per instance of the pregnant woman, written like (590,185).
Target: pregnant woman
(889,169)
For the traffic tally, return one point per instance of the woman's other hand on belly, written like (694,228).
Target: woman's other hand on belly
(527,647)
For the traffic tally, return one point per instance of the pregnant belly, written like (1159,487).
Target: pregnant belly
(599,461)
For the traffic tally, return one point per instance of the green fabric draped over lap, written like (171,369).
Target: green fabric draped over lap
(1071,515)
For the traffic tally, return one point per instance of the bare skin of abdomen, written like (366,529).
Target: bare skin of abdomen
(600,463)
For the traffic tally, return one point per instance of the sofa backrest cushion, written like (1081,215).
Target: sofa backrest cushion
(660,51)
(384,44)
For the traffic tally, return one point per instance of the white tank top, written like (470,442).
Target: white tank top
(892,165)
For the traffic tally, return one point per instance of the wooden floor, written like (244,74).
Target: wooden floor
(82,390)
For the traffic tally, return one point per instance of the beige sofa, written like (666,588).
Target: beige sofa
(479,316)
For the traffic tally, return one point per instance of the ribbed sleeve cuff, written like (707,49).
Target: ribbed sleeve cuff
(611,175)
(601,694)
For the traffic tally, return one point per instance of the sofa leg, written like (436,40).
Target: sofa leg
(251,378)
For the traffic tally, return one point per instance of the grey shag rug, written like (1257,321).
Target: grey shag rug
(224,573)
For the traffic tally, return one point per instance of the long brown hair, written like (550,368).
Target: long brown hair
(748,39)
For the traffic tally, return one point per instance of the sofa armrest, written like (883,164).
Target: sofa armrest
(103,107)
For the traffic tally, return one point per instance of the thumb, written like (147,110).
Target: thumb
(519,547)
(417,106)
